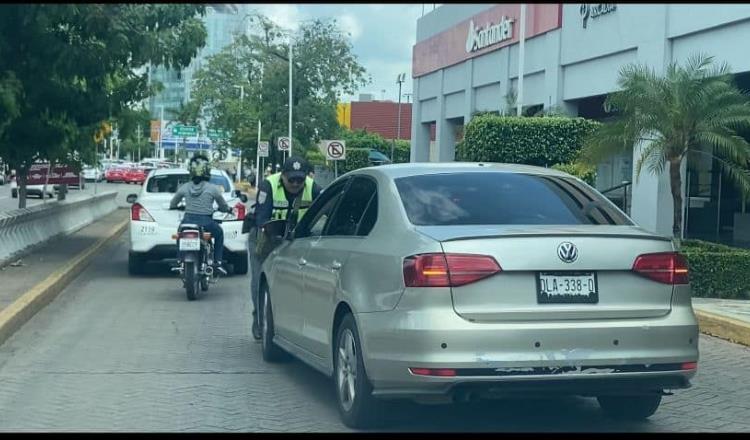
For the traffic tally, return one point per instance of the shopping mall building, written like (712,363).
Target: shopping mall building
(466,59)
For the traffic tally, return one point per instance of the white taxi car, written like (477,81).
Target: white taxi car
(152,223)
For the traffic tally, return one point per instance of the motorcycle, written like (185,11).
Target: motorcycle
(195,262)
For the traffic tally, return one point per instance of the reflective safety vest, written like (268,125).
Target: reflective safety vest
(281,205)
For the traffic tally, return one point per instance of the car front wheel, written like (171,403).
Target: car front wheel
(630,407)
(357,406)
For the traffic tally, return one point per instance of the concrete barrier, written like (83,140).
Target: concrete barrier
(22,229)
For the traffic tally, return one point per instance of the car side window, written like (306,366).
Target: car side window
(370,217)
(355,201)
(314,220)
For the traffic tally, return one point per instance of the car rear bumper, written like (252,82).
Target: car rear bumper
(155,240)
(604,355)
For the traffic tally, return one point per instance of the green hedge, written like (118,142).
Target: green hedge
(541,141)
(580,170)
(355,158)
(717,271)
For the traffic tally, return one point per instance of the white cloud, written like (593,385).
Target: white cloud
(350,24)
(287,16)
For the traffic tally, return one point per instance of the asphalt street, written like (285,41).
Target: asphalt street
(121,353)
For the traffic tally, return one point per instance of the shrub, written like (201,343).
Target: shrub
(355,158)
(582,171)
(541,141)
(717,271)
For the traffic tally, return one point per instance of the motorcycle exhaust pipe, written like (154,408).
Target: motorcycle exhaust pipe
(209,271)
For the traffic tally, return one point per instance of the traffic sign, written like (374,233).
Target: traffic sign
(284,144)
(185,130)
(335,150)
(217,134)
(263,149)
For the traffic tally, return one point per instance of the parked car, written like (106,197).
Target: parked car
(476,280)
(92,174)
(135,175)
(152,223)
(31,190)
(378,158)
(115,173)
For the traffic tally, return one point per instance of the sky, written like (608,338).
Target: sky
(382,37)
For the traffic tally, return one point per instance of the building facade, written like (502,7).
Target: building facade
(466,60)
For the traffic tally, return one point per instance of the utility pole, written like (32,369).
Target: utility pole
(400,80)
(139,132)
(160,154)
(257,149)
(242,99)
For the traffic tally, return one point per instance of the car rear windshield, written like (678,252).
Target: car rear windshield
(169,183)
(499,198)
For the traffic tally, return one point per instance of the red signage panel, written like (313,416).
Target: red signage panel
(485,32)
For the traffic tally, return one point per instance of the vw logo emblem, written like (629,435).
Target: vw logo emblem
(567,252)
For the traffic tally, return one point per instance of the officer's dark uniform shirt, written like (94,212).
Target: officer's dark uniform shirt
(264,203)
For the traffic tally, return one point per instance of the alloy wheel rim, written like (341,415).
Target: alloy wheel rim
(346,366)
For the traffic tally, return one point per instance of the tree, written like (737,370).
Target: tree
(324,68)
(75,66)
(693,110)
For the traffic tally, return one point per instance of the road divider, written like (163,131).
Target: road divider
(23,229)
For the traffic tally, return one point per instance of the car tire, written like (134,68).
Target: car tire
(357,406)
(14,193)
(135,264)
(271,352)
(239,264)
(638,407)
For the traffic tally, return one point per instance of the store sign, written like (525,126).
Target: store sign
(479,38)
(593,10)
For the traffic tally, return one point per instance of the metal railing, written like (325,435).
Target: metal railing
(623,203)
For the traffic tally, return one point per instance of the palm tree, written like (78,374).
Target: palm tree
(693,110)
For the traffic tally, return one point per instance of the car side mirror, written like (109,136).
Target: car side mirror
(131,198)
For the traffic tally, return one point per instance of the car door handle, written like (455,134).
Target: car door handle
(335,265)
(302,262)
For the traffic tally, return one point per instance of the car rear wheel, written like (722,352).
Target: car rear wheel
(630,407)
(357,406)
(271,351)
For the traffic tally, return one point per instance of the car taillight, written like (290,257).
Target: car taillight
(139,213)
(240,208)
(664,267)
(447,270)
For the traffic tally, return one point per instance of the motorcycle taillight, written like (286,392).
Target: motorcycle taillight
(189,234)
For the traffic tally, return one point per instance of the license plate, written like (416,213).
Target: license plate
(190,244)
(567,287)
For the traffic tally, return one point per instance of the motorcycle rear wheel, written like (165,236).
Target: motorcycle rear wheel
(191,281)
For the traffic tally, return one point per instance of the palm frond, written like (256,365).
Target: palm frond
(653,156)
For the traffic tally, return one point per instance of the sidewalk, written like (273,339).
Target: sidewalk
(40,275)
(724,318)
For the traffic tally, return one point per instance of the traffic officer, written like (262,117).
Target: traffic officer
(275,199)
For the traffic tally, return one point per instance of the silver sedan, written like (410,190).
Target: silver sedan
(456,281)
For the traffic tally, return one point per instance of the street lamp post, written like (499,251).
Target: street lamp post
(400,80)
(290,95)
(242,98)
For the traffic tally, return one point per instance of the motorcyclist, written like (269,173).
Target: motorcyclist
(274,201)
(199,197)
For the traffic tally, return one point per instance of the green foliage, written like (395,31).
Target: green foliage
(315,157)
(691,111)
(324,68)
(583,171)
(75,66)
(355,158)
(402,152)
(540,141)
(717,271)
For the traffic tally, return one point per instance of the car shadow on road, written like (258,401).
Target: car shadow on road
(553,414)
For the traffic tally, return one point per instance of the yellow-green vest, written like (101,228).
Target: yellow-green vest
(281,205)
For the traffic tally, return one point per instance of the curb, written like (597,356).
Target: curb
(722,327)
(25,307)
